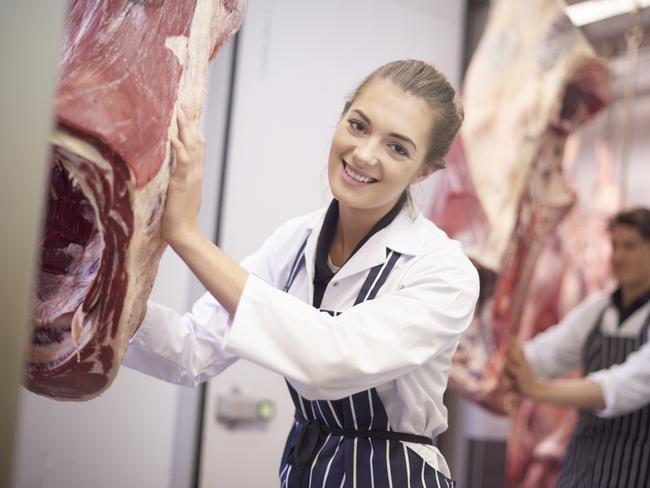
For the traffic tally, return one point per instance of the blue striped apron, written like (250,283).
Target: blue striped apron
(609,452)
(349,442)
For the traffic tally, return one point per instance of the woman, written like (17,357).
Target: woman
(359,306)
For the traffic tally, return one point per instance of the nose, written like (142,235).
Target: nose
(365,153)
(618,255)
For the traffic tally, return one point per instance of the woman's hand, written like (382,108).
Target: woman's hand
(524,379)
(180,217)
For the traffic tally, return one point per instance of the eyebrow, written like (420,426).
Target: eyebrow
(392,134)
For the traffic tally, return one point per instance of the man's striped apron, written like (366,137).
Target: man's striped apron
(609,452)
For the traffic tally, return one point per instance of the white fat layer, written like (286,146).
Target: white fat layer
(82,330)
(178,46)
(75,329)
(148,202)
(515,102)
(210,25)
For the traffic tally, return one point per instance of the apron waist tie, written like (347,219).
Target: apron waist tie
(309,433)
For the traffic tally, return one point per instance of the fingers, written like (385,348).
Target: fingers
(183,129)
(515,351)
(506,382)
(188,144)
(511,372)
(179,148)
(515,360)
(188,128)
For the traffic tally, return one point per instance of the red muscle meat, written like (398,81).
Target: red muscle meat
(126,68)
(573,264)
(528,86)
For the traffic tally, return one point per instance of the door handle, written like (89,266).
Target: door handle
(236,411)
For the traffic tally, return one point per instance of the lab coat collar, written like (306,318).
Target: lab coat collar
(406,234)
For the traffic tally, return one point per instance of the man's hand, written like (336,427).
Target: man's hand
(524,380)
(575,392)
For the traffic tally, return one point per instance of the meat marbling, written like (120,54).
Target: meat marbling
(126,68)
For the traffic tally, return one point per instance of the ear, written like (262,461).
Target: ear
(427,170)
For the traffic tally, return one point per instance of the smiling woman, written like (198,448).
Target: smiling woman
(359,306)
(374,155)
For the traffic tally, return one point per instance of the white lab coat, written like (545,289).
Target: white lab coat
(401,342)
(559,349)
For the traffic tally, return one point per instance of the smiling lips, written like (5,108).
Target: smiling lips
(357,176)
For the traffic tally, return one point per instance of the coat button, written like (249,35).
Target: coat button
(335,284)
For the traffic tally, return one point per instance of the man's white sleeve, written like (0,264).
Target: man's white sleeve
(558,349)
(626,386)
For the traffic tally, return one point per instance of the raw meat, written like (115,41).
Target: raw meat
(573,265)
(127,66)
(529,85)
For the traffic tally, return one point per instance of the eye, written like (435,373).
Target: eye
(399,149)
(357,126)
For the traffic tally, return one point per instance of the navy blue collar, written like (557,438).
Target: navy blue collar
(322,272)
(625,312)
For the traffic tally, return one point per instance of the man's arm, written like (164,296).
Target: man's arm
(577,392)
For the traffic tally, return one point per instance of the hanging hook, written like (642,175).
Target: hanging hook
(634,38)
(634,35)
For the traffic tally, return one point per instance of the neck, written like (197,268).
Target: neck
(352,226)
(630,293)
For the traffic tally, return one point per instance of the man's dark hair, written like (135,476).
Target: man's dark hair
(638,217)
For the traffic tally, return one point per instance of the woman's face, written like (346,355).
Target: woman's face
(378,148)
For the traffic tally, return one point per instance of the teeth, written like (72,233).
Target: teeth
(356,176)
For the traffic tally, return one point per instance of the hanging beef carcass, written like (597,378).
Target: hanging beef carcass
(528,86)
(127,67)
(574,264)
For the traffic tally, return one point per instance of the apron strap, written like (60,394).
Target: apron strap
(308,433)
(297,264)
(644,329)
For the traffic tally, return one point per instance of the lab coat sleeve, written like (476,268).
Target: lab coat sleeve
(181,349)
(188,349)
(370,344)
(626,386)
(558,349)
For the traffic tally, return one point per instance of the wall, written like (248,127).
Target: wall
(26,87)
(609,126)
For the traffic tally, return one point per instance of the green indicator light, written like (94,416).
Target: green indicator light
(265,410)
